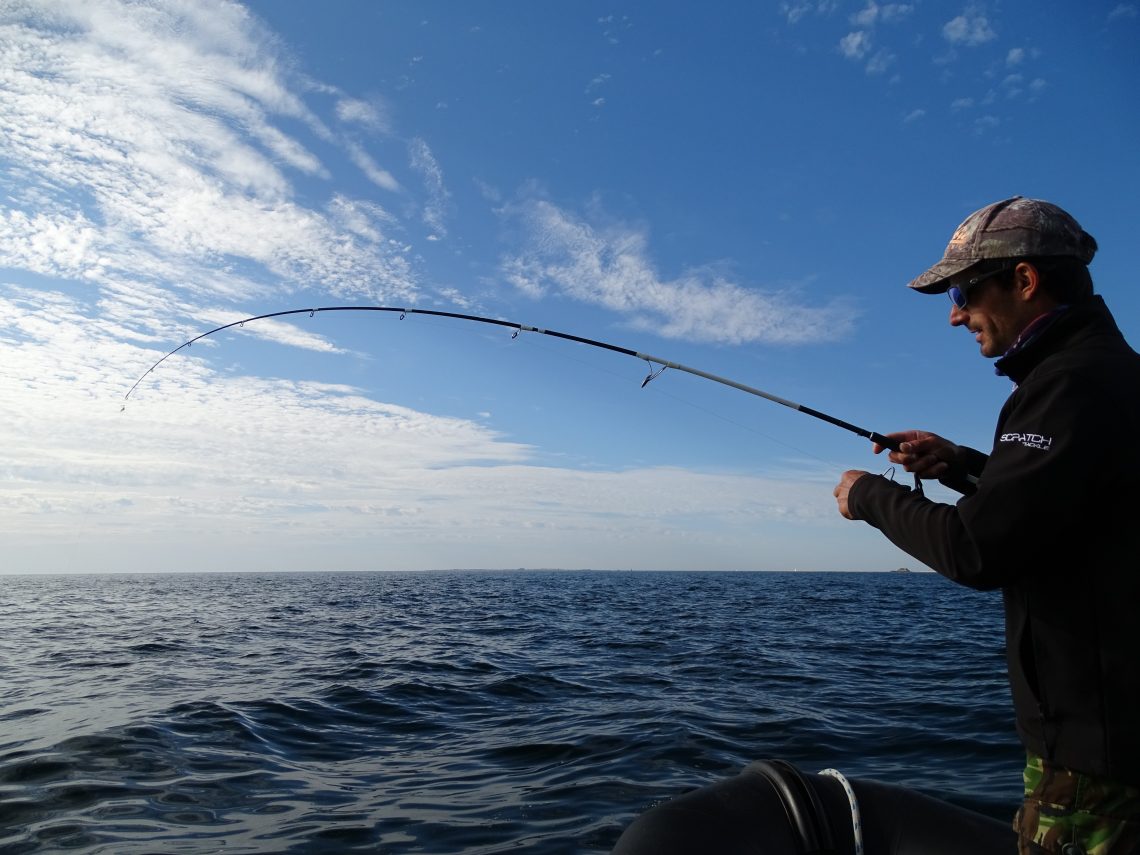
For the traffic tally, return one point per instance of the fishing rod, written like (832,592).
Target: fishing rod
(654,361)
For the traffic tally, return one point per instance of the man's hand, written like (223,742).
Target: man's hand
(921,452)
(844,487)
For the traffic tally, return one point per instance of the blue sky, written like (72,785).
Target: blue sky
(744,187)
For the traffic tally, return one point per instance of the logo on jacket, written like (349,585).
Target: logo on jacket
(1029,440)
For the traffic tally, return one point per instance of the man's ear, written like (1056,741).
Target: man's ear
(1027,281)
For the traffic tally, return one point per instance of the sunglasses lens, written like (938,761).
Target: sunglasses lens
(957,296)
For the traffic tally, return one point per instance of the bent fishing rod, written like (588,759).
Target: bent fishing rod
(654,362)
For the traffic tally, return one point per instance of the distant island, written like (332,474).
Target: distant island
(902,570)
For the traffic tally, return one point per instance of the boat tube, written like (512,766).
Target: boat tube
(772,808)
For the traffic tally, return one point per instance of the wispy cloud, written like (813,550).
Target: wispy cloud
(874,12)
(162,173)
(1006,73)
(986,123)
(612,25)
(855,45)
(611,267)
(166,170)
(888,39)
(1013,84)
(439,199)
(149,143)
(1019,87)
(1124,11)
(971,28)
(367,114)
(859,44)
(380,177)
(203,462)
(594,85)
(881,62)
(797,10)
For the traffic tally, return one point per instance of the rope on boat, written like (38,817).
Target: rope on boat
(856,821)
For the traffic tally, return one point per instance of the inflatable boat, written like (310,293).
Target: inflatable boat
(772,808)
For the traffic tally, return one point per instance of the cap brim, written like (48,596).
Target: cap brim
(937,279)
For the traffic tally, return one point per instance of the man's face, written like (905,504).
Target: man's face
(995,314)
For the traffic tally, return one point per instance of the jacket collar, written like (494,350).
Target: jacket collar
(1055,331)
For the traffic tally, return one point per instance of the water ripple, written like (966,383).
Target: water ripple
(471,712)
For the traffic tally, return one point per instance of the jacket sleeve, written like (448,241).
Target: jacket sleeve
(1032,490)
(930,531)
(967,465)
(972,460)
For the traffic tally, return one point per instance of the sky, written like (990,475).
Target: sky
(742,187)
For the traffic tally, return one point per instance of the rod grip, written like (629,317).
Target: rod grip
(885,441)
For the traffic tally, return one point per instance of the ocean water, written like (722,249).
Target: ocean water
(472,712)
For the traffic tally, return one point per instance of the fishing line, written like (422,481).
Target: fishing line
(656,364)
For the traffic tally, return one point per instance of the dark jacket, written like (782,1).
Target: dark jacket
(1054,523)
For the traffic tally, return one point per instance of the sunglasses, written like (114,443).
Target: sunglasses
(959,293)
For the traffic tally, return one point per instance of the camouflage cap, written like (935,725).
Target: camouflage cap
(1012,228)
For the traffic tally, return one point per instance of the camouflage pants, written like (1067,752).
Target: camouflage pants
(1068,813)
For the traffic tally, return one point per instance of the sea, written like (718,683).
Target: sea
(473,711)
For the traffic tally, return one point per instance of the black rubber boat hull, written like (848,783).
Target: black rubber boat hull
(772,809)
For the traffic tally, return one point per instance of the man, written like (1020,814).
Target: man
(1048,515)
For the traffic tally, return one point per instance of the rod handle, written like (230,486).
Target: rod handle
(885,441)
(960,482)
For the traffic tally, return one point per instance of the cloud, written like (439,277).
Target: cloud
(971,28)
(880,62)
(599,80)
(1015,56)
(612,23)
(913,116)
(151,142)
(986,123)
(873,12)
(868,15)
(1016,86)
(165,169)
(380,177)
(611,267)
(367,114)
(152,172)
(855,45)
(895,11)
(204,463)
(1122,11)
(439,199)
(797,10)
(858,44)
